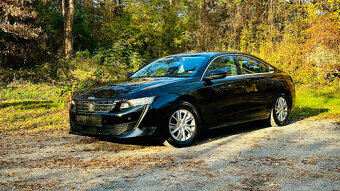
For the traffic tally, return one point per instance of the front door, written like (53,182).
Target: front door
(222,99)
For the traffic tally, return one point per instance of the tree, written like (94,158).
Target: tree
(18,32)
(68,15)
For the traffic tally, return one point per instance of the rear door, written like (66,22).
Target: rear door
(256,77)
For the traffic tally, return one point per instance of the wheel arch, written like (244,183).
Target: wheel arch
(189,98)
(289,95)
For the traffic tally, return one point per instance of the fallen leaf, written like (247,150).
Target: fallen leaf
(313,161)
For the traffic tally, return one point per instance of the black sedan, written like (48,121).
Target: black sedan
(177,96)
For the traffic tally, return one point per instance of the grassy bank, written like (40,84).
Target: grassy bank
(34,108)
(315,106)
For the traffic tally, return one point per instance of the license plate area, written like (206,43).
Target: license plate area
(90,121)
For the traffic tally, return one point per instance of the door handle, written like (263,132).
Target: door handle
(250,86)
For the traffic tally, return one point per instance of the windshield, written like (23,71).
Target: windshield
(171,67)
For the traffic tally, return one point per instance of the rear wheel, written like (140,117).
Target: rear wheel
(183,125)
(280,111)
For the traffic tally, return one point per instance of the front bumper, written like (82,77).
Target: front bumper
(126,124)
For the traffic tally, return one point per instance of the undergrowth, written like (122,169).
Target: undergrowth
(37,100)
(317,105)
(29,108)
(34,108)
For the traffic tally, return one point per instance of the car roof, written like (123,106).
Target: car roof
(213,54)
(206,54)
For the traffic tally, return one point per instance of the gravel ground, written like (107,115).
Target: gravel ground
(301,156)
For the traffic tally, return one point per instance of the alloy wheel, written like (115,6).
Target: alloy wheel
(281,109)
(182,125)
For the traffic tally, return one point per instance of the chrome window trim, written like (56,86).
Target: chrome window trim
(270,72)
(271,69)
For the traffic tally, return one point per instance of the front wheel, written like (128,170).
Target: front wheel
(280,111)
(183,125)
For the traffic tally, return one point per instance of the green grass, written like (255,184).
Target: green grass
(18,91)
(321,105)
(32,108)
(32,116)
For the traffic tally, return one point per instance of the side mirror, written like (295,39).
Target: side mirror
(216,74)
(130,74)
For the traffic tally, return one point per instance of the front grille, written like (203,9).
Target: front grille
(94,106)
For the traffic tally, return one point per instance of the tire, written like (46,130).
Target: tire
(280,111)
(182,133)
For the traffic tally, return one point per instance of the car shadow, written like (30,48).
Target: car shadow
(222,132)
(206,135)
(140,141)
(304,112)
(297,114)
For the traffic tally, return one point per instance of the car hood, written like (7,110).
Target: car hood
(122,88)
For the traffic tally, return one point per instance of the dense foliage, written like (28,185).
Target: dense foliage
(114,37)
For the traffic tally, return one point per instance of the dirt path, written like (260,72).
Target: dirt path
(301,156)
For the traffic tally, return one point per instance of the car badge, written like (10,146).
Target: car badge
(91,98)
(91,107)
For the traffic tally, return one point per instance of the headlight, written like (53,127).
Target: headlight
(136,102)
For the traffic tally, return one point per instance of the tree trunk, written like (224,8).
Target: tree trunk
(68,14)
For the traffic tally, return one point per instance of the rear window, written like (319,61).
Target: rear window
(252,66)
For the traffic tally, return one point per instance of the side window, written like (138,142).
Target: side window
(226,63)
(248,65)
(251,66)
(264,68)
